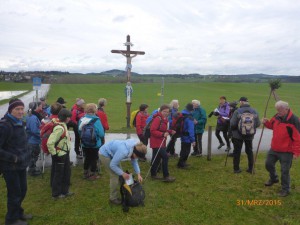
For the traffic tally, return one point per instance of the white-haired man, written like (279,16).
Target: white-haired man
(285,144)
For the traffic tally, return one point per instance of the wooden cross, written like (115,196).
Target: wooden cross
(129,55)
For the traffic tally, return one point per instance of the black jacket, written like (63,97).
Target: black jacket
(13,145)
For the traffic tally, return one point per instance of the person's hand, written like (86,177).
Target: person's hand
(166,134)
(125,176)
(295,156)
(140,179)
(264,120)
(173,132)
(194,144)
(195,121)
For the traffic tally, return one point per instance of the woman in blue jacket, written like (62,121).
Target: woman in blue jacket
(111,155)
(91,131)
(188,136)
(33,124)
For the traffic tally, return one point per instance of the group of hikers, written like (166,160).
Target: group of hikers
(47,127)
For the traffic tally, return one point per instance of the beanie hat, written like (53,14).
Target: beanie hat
(80,101)
(14,103)
(189,107)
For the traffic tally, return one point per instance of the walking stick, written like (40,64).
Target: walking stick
(274,84)
(154,158)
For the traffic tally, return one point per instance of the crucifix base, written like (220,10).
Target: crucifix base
(128,104)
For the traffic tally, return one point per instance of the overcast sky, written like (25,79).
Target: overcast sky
(178,36)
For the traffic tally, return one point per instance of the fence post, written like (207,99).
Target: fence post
(209,143)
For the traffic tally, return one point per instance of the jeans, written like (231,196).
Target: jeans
(198,146)
(184,154)
(238,144)
(60,175)
(285,159)
(160,155)
(91,157)
(16,184)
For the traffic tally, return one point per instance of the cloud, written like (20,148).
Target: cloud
(220,37)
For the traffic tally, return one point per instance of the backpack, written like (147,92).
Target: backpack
(132,195)
(46,130)
(178,124)
(88,135)
(133,118)
(146,131)
(246,124)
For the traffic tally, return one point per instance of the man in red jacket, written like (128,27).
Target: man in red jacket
(141,118)
(285,144)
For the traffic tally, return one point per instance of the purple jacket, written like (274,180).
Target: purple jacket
(224,111)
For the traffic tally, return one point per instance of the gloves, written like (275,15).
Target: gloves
(210,115)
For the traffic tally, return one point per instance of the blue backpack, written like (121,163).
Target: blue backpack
(88,134)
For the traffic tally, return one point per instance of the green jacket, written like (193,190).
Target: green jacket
(199,114)
(64,145)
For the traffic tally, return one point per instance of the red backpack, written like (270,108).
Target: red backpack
(178,123)
(46,131)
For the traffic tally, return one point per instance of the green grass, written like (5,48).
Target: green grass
(9,86)
(206,193)
(207,93)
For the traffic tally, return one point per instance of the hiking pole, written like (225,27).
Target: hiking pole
(226,158)
(154,158)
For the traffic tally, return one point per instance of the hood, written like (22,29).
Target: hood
(130,143)
(186,112)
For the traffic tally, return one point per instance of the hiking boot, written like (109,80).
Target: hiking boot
(175,155)
(227,149)
(283,193)
(230,155)
(199,154)
(86,174)
(115,201)
(69,194)
(237,171)
(17,222)
(194,153)
(221,145)
(249,171)
(58,197)
(182,167)
(26,217)
(34,172)
(156,177)
(169,179)
(93,177)
(271,182)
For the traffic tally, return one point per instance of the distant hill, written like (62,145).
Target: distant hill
(119,76)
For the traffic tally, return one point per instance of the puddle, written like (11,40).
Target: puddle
(9,94)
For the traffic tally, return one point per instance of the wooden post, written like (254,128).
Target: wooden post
(129,55)
(209,143)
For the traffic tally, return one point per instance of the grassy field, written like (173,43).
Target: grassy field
(206,193)
(207,93)
(9,86)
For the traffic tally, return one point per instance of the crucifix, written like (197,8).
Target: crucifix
(128,89)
